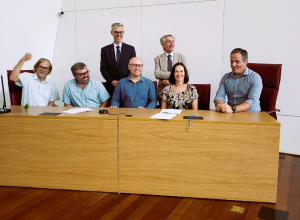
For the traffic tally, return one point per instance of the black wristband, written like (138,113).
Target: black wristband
(233,109)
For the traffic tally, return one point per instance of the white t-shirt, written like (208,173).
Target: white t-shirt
(37,93)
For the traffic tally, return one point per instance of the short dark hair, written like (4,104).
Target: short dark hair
(39,62)
(243,52)
(77,66)
(186,74)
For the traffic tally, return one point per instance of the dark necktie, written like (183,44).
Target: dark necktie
(169,63)
(118,55)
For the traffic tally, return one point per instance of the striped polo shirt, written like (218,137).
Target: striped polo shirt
(92,95)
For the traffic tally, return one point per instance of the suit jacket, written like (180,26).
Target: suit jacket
(108,64)
(161,68)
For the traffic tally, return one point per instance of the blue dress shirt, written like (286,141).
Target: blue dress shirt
(132,95)
(246,88)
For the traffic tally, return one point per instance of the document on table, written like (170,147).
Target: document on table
(77,110)
(166,114)
(171,111)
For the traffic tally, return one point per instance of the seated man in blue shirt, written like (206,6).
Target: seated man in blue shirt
(242,86)
(134,91)
(83,91)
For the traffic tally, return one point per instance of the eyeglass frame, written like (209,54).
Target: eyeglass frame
(136,65)
(118,32)
(44,68)
(83,74)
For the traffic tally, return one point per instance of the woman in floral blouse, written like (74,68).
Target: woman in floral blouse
(179,95)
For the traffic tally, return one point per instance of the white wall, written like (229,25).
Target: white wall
(26,26)
(143,25)
(269,30)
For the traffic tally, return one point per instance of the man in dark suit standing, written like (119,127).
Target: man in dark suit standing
(115,58)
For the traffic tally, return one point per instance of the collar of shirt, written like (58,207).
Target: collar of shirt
(142,79)
(169,54)
(172,57)
(246,72)
(86,85)
(115,47)
(36,78)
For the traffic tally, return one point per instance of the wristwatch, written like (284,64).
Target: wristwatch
(233,109)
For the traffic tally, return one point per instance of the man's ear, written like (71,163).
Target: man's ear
(246,61)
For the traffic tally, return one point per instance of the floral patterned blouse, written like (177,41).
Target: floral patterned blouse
(179,100)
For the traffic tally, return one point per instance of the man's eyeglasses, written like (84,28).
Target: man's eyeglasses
(137,65)
(44,68)
(118,32)
(83,74)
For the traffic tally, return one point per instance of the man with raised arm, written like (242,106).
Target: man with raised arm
(38,89)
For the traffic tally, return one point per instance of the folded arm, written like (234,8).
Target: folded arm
(159,72)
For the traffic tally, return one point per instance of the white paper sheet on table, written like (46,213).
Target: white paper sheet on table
(171,111)
(166,114)
(77,110)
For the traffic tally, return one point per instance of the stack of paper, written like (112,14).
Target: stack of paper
(166,114)
(77,110)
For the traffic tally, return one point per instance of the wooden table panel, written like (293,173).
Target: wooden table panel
(59,152)
(221,160)
(225,156)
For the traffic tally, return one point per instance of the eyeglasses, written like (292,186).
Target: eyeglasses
(118,32)
(83,74)
(44,68)
(137,65)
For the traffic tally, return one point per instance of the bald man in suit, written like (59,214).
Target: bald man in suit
(115,58)
(165,62)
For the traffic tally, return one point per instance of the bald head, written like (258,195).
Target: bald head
(134,59)
(135,66)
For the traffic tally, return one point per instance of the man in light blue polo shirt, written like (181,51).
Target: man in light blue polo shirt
(83,91)
(134,91)
(242,86)
(37,88)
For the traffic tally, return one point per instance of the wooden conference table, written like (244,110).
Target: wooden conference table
(224,156)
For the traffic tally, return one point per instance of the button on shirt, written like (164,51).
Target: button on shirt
(246,88)
(132,95)
(92,95)
(37,93)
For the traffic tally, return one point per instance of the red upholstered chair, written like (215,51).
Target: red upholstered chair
(155,85)
(15,92)
(270,75)
(104,84)
(204,96)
